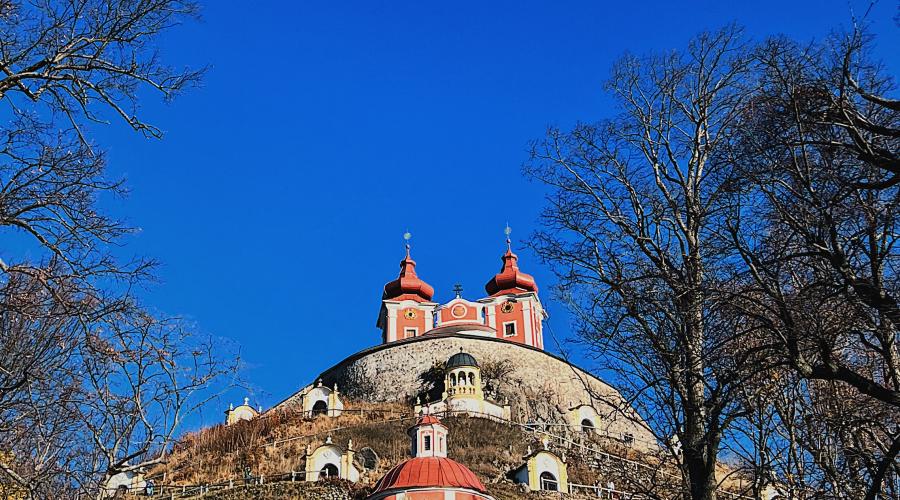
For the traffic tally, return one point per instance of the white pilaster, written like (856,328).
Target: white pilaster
(429,319)
(528,320)
(491,310)
(391,324)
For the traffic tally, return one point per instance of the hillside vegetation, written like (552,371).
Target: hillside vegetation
(274,445)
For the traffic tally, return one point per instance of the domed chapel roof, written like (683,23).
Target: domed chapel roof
(461,359)
(429,472)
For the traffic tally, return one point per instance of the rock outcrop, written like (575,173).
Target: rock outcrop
(541,388)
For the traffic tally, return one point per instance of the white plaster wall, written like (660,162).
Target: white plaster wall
(546,463)
(323,456)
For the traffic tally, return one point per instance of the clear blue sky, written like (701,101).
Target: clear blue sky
(279,195)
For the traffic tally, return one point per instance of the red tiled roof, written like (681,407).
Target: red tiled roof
(427,420)
(429,471)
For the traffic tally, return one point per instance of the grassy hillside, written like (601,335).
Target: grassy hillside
(276,444)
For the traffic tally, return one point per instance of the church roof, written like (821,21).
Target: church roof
(408,285)
(429,472)
(461,359)
(428,420)
(510,279)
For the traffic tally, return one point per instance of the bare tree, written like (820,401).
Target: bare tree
(632,228)
(142,377)
(816,228)
(843,91)
(82,58)
(91,384)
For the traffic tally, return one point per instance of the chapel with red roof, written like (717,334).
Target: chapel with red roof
(429,474)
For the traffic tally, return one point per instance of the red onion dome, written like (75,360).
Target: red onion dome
(408,285)
(510,279)
(435,472)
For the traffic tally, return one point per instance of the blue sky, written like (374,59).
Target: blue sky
(278,198)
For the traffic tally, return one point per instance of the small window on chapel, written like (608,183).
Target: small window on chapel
(628,439)
(410,333)
(427,443)
(509,329)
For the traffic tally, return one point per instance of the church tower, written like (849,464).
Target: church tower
(512,306)
(429,438)
(406,307)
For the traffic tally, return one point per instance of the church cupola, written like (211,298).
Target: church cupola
(406,307)
(408,285)
(510,279)
(512,307)
(429,438)
(429,473)
(462,377)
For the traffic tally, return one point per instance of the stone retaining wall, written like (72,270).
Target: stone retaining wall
(282,491)
(539,387)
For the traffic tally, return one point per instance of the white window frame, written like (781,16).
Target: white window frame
(515,330)
(548,482)
(414,330)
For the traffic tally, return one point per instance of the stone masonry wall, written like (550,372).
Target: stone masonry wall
(538,386)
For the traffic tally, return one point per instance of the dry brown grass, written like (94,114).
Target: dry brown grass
(277,444)
(271,445)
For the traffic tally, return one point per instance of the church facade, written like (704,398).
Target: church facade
(511,310)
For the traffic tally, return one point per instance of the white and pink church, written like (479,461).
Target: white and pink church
(511,310)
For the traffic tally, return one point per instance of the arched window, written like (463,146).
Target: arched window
(330,470)
(320,408)
(587,426)
(427,443)
(462,378)
(452,380)
(548,482)
(471,378)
